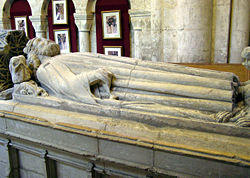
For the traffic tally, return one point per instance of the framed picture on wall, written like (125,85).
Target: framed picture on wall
(59,12)
(113,50)
(111,24)
(21,23)
(62,38)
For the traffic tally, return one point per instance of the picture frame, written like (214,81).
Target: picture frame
(21,24)
(59,12)
(111,24)
(62,38)
(113,50)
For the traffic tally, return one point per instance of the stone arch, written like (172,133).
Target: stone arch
(6,14)
(89,5)
(44,8)
(85,20)
(6,21)
(45,4)
(93,4)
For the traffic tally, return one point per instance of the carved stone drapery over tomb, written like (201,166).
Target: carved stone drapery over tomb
(84,23)
(117,87)
(11,44)
(39,23)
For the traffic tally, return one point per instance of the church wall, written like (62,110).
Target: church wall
(183,31)
(187,33)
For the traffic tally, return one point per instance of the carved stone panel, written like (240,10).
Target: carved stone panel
(11,44)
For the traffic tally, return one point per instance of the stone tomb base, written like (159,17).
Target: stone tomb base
(45,141)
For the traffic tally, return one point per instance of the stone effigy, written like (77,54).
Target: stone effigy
(148,92)
(11,44)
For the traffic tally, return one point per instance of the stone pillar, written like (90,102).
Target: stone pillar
(40,24)
(239,29)
(194,19)
(5,23)
(84,23)
(136,23)
(156,28)
(170,31)
(220,31)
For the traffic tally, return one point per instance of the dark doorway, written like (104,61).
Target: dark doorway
(20,10)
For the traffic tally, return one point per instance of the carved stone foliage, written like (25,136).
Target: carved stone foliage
(11,44)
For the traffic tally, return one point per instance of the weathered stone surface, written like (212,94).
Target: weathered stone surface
(4,158)
(246,52)
(2,124)
(143,88)
(166,150)
(66,171)
(239,29)
(85,143)
(20,72)
(126,152)
(220,31)
(6,94)
(31,164)
(29,88)
(189,164)
(3,170)
(26,173)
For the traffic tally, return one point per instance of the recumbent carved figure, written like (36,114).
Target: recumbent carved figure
(167,90)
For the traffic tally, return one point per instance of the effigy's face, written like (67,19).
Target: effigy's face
(42,46)
(19,70)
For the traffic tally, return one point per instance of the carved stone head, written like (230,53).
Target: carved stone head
(42,46)
(19,70)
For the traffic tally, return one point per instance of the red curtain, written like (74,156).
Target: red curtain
(73,31)
(107,5)
(22,8)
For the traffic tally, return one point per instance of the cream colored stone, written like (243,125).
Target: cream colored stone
(163,30)
(151,91)
(240,29)
(220,31)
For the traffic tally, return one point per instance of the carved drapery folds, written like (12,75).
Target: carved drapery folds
(130,88)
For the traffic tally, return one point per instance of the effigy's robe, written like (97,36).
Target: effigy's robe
(142,87)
